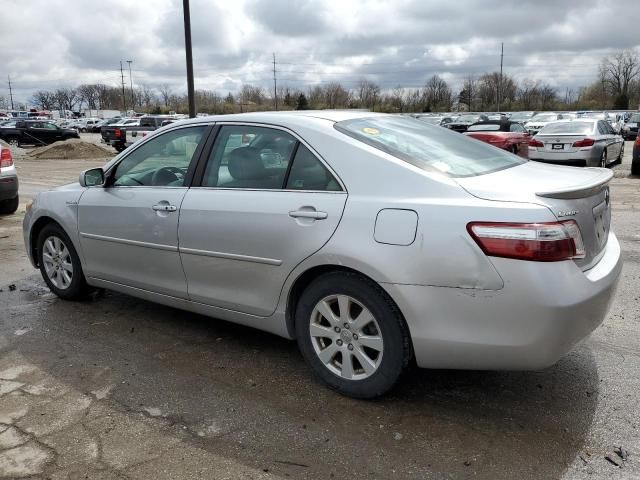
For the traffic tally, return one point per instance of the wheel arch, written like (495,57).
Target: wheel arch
(304,280)
(34,233)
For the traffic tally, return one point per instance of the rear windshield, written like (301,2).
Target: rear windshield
(490,127)
(568,128)
(428,147)
(467,118)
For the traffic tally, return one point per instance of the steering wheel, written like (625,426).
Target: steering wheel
(166,175)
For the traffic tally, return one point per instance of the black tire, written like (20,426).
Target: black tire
(396,341)
(619,159)
(14,141)
(7,207)
(77,289)
(635,168)
(119,148)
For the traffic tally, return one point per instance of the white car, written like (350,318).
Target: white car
(541,120)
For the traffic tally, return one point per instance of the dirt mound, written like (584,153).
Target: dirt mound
(71,149)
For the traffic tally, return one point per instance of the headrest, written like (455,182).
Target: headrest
(245,164)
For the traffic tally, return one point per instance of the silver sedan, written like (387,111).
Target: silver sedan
(581,142)
(372,240)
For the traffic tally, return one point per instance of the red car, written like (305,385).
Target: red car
(510,136)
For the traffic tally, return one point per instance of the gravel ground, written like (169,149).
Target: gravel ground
(121,388)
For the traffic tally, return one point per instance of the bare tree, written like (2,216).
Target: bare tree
(45,99)
(620,70)
(335,95)
(367,94)
(165,93)
(437,94)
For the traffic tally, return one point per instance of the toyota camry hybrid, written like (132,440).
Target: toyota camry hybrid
(373,240)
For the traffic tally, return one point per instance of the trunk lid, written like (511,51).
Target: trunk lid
(560,143)
(580,194)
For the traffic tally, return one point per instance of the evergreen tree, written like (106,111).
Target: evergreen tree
(303,104)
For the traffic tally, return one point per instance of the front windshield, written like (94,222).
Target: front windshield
(428,147)
(568,128)
(635,118)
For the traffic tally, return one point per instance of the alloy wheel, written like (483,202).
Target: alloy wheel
(603,159)
(346,337)
(57,262)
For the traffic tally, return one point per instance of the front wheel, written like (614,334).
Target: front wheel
(60,265)
(352,335)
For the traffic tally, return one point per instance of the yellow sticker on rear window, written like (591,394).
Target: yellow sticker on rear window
(371,131)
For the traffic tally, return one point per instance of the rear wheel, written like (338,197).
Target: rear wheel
(14,141)
(352,335)
(8,207)
(603,159)
(619,159)
(60,265)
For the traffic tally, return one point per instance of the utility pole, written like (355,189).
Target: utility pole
(124,98)
(187,47)
(10,91)
(500,81)
(133,99)
(275,84)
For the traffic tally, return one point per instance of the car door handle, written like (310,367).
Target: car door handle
(308,214)
(164,208)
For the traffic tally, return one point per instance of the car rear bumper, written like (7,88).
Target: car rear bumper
(541,313)
(589,157)
(8,187)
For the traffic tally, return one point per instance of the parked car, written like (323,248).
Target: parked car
(147,124)
(9,199)
(463,122)
(540,120)
(36,132)
(521,117)
(510,136)
(581,142)
(616,120)
(372,239)
(115,134)
(435,119)
(84,124)
(635,161)
(630,129)
(97,127)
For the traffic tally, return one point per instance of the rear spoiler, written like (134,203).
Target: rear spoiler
(581,191)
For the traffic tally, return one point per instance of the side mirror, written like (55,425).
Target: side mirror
(93,177)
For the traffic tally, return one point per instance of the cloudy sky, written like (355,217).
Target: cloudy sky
(51,43)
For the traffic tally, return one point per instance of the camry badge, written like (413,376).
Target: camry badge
(568,213)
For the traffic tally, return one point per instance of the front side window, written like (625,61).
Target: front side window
(428,147)
(516,127)
(162,161)
(249,157)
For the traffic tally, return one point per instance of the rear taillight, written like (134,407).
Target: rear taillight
(585,142)
(538,242)
(535,143)
(5,158)
(117,133)
(638,140)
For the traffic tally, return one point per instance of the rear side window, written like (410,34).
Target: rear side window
(428,147)
(308,173)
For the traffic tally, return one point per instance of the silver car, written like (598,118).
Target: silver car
(9,199)
(580,142)
(371,239)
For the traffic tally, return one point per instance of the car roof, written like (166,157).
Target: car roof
(288,117)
